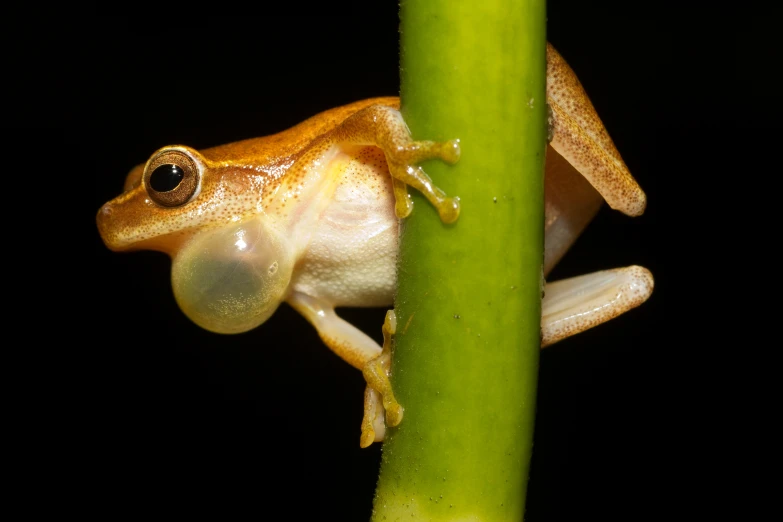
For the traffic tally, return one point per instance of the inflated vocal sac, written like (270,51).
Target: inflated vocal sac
(230,280)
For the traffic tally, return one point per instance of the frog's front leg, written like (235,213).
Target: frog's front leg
(379,391)
(360,351)
(384,127)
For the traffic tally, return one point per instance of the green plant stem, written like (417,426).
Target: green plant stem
(465,362)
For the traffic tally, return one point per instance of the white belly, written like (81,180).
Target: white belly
(352,254)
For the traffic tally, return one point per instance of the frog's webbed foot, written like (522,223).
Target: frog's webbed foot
(384,127)
(571,306)
(360,351)
(581,138)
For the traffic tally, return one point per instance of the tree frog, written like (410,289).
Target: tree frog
(310,216)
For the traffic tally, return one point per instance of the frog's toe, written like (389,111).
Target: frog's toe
(415,152)
(403,208)
(447,207)
(403,204)
(450,151)
(448,210)
(376,374)
(394,414)
(373,427)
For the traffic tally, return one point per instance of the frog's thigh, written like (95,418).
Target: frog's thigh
(581,138)
(577,304)
(384,127)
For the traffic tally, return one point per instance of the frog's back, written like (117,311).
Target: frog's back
(291,141)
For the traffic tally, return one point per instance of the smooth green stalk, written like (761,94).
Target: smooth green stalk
(465,363)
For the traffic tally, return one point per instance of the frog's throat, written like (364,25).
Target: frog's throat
(232,280)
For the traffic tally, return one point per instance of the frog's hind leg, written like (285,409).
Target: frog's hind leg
(360,351)
(581,138)
(577,304)
(384,127)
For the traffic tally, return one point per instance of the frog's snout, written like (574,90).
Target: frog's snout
(127,222)
(104,220)
(113,229)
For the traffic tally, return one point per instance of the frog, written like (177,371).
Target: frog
(311,216)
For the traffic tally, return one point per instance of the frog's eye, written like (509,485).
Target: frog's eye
(171,178)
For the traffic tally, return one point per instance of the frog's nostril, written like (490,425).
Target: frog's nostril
(103,220)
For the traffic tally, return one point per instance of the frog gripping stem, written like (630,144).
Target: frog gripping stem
(384,127)
(376,373)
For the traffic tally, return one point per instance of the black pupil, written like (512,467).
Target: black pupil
(166,177)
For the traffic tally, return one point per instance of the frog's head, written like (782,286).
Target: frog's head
(230,266)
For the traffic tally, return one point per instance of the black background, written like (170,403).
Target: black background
(174,420)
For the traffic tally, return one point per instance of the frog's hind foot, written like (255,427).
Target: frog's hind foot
(571,306)
(379,397)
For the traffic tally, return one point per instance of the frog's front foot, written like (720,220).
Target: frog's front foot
(358,349)
(404,170)
(384,127)
(379,397)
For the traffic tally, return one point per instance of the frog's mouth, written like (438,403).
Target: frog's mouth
(118,223)
(122,231)
(232,280)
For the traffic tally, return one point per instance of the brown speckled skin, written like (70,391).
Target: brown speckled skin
(324,181)
(581,138)
(327,188)
(233,177)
